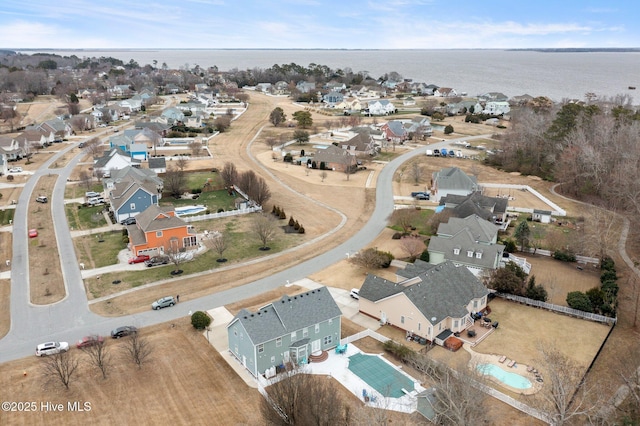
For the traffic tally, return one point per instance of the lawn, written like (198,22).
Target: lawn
(6,216)
(78,191)
(84,217)
(420,222)
(98,250)
(213,200)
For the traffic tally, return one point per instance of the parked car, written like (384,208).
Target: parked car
(15,170)
(157,260)
(355,293)
(95,201)
(81,145)
(51,348)
(163,302)
(139,259)
(33,233)
(128,221)
(42,199)
(87,341)
(422,196)
(123,331)
(91,194)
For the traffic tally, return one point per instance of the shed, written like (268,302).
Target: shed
(542,216)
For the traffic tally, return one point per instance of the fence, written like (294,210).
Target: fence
(221,214)
(557,211)
(363,334)
(557,308)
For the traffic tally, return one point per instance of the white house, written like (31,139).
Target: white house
(380,107)
(496,108)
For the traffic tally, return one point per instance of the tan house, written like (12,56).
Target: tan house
(430,301)
(336,158)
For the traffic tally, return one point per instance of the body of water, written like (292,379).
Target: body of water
(558,75)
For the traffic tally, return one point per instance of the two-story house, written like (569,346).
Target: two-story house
(158,231)
(452,180)
(287,330)
(131,196)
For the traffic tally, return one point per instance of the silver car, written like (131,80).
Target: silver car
(163,302)
(51,348)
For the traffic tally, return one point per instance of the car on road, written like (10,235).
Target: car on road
(128,221)
(81,145)
(15,170)
(87,341)
(127,330)
(33,233)
(51,348)
(355,293)
(139,259)
(422,196)
(163,302)
(157,260)
(42,199)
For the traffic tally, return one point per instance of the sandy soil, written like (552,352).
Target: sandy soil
(45,277)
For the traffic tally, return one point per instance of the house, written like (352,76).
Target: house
(360,143)
(452,180)
(130,197)
(11,149)
(333,98)
(306,86)
(263,87)
(394,131)
(158,164)
(114,159)
(408,101)
(430,301)
(542,216)
(280,88)
(493,209)
(470,242)
(35,138)
(58,127)
(336,158)
(158,231)
(464,107)
(445,92)
(493,97)
(126,173)
(287,330)
(380,107)
(172,115)
(419,126)
(496,108)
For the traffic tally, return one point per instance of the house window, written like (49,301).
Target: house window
(294,336)
(273,360)
(419,326)
(327,340)
(158,234)
(189,241)
(330,321)
(475,303)
(456,251)
(260,349)
(455,324)
(479,255)
(132,206)
(279,342)
(401,319)
(317,328)
(235,332)
(469,253)
(305,332)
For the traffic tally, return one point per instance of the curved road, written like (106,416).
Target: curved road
(70,319)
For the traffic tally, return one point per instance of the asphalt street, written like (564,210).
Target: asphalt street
(70,319)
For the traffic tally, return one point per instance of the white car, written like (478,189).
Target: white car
(51,348)
(91,194)
(355,293)
(15,170)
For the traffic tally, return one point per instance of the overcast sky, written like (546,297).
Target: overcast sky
(345,24)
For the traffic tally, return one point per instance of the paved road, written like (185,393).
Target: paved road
(70,319)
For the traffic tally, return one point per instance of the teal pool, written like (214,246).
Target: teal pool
(510,379)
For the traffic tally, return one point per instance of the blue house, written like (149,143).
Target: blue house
(131,196)
(285,331)
(333,98)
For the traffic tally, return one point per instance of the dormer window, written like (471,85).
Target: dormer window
(478,255)
(469,253)
(456,251)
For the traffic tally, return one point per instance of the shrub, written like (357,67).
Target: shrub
(220,210)
(396,236)
(200,320)
(607,263)
(296,225)
(301,230)
(425,255)
(564,256)
(196,191)
(608,275)
(580,301)
(388,258)
(323,166)
(510,246)
(288,158)
(448,129)
(10,177)
(398,350)
(282,214)
(291,223)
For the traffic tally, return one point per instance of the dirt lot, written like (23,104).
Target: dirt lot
(186,382)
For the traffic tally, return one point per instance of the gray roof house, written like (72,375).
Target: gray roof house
(131,197)
(493,209)
(288,330)
(452,180)
(470,242)
(434,302)
(336,158)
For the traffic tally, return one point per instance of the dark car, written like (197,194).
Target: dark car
(422,196)
(128,221)
(157,260)
(123,331)
(87,341)
(139,259)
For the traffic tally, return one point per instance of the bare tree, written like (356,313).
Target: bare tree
(567,396)
(416,172)
(94,147)
(196,148)
(288,401)
(181,163)
(265,228)
(254,186)
(404,218)
(370,258)
(438,218)
(175,181)
(137,350)
(229,174)
(412,246)
(60,367)
(323,175)
(99,357)
(271,141)
(174,253)
(220,243)
(86,179)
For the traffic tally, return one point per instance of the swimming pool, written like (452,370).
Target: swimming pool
(510,379)
(185,210)
(381,376)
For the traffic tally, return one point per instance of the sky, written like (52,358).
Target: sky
(324,24)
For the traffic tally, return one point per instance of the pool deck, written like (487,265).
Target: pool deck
(518,368)
(337,366)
